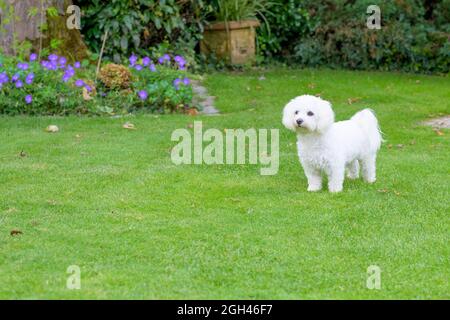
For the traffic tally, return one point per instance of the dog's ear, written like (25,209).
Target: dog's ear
(326,117)
(288,118)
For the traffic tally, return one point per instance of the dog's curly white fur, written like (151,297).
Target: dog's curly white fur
(332,147)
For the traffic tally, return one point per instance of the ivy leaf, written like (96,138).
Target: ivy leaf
(124,43)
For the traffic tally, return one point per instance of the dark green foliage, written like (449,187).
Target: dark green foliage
(288,21)
(414,34)
(137,26)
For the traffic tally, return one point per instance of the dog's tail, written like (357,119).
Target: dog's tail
(367,120)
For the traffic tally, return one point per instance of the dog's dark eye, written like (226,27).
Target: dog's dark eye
(310,113)
(296,112)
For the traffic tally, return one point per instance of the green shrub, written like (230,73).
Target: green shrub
(143,26)
(315,33)
(238,10)
(287,20)
(53,87)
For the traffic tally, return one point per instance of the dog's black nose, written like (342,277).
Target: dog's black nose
(299,121)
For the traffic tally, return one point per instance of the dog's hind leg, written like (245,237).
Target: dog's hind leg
(353,169)
(368,166)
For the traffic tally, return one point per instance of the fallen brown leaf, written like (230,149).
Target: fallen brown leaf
(353,100)
(129,126)
(22,154)
(311,85)
(400,146)
(438,132)
(86,95)
(192,112)
(15,232)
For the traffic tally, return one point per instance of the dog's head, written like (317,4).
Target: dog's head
(308,114)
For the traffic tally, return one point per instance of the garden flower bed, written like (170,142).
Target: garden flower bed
(55,87)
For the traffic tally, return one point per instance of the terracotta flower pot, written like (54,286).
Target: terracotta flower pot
(233,42)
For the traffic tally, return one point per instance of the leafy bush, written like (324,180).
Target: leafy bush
(288,21)
(54,87)
(413,37)
(143,26)
(237,10)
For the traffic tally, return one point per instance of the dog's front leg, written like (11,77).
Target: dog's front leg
(336,178)
(314,178)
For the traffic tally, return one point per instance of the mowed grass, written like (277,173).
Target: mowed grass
(111,201)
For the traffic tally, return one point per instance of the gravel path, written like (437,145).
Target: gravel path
(439,123)
(202,98)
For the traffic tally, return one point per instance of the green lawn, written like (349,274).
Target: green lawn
(111,201)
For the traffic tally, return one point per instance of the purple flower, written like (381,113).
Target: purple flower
(19,84)
(176,83)
(133,59)
(79,83)
(70,72)
(15,77)
(29,79)
(3,78)
(62,61)
(50,65)
(29,99)
(138,67)
(22,66)
(77,65)
(186,81)
(88,88)
(146,61)
(68,75)
(164,58)
(152,67)
(53,57)
(33,57)
(143,95)
(180,61)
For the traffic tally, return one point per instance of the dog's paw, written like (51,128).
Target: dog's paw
(352,176)
(370,180)
(314,188)
(335,189)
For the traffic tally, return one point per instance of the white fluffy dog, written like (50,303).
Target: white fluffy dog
(331,147)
